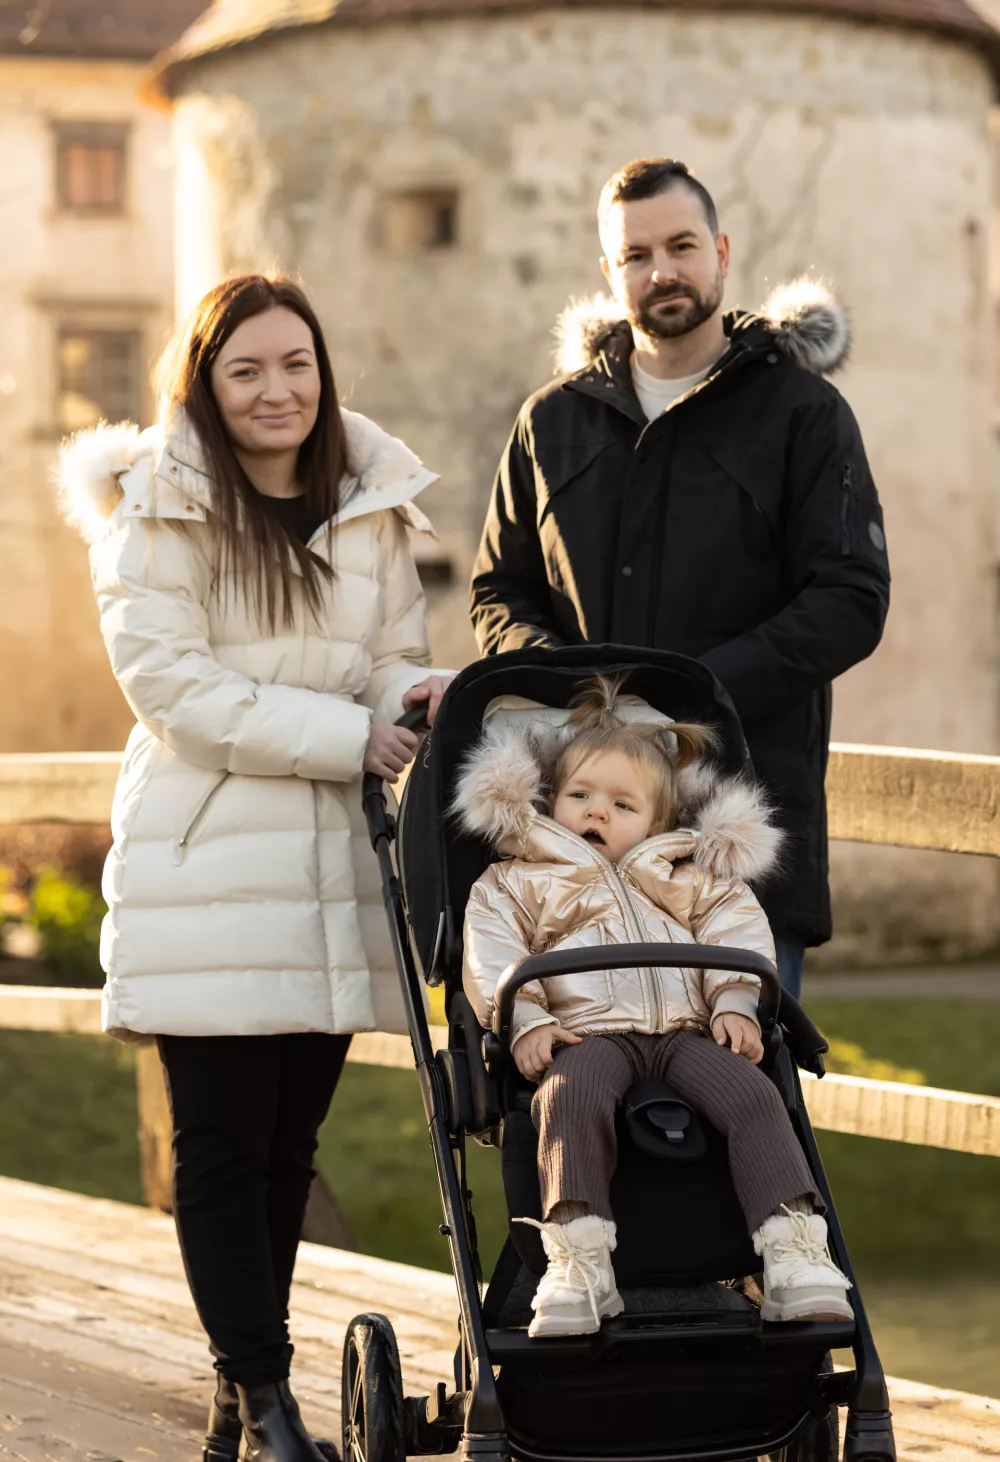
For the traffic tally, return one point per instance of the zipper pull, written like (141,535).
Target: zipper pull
(847,490)
(180,848)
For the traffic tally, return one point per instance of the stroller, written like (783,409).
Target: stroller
(689,1372)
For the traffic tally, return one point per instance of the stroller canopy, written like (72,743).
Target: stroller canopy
(438,862)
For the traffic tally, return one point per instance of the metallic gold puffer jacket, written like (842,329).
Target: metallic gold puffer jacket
(554,890)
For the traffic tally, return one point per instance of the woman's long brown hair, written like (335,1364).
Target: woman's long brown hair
(253,548)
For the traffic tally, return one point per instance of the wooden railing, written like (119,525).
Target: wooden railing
(875,794)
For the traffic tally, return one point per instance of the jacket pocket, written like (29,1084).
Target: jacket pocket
(579,997)
(560,468)
(183,842)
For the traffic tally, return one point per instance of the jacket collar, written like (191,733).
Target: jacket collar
(162,473)
(547,841)
(726,821)
(802,321)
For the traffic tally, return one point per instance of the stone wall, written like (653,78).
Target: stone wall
(65,270)
(859,152)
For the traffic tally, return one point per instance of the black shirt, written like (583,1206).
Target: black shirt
(296,515)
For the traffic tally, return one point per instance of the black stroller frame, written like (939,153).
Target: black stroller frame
(381,1425)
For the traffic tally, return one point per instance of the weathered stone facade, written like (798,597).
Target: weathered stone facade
(67,273)
(86,196)
(857,151)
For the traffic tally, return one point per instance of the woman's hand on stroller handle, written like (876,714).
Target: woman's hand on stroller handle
(389,750)
(427,695)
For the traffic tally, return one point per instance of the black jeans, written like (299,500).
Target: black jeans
(246,1111)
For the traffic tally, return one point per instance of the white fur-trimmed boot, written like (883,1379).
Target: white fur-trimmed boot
(578,1287)
(801,1281)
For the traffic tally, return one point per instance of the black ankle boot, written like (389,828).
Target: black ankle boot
(225,1430)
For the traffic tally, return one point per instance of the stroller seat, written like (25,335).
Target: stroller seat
(688,1372)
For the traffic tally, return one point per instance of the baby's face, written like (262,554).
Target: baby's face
(609,800)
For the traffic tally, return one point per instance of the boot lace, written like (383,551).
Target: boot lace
(801,1244)
(578,1269)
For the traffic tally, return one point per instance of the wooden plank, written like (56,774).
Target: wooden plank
(95,1311)
(57,1008)
(43,1008)
(924,1115)
(914,799)
(876,794)
(58,787)
(378,1048)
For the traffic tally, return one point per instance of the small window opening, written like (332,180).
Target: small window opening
(90,167)
(421,220)
(99,377)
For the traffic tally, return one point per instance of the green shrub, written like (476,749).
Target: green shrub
(64,915)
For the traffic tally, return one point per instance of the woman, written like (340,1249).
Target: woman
(264,619)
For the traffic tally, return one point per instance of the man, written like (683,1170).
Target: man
(692,483)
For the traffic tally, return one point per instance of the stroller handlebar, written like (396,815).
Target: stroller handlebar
(628,956)
(371,782)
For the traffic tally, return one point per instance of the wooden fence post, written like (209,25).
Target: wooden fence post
(324,1221)
(155,1127)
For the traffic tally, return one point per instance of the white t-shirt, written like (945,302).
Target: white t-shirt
(656,396)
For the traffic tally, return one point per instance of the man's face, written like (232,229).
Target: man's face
(664,267)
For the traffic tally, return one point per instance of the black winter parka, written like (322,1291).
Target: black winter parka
(742,528)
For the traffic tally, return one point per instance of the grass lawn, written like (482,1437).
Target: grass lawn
(68,1113)
(68,1119)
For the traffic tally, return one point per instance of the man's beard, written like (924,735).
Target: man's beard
(695,310)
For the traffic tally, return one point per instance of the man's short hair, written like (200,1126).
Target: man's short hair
(648,177)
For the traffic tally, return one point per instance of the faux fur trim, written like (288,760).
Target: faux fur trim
(507,774)
(807,321)
(87,473)
(581,330)
(810,324)
(500,781)
(91,464)
(735,836)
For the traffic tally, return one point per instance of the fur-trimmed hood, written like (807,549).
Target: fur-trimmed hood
(803,318)
(724,822)
(162,473)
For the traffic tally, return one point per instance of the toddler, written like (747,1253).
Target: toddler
(607,863)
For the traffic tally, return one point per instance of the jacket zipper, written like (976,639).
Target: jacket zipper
(181,846)
(847,492)
(634,926)
(632,923)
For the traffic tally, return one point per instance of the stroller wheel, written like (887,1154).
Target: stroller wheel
(371,1394)
(820,1442)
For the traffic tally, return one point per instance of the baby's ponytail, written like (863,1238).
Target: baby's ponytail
(599,723)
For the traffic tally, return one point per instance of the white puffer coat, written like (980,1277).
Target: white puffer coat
(243,897)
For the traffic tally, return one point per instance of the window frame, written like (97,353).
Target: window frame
(93,135)
(439,201)
(132,410)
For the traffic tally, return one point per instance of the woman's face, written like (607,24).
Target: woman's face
(266,383)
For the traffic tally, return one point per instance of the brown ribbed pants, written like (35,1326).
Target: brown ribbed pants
(575,1104)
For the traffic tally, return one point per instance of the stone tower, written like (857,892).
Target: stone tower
(431,168)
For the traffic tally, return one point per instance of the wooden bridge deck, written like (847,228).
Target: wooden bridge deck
(102,1358)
